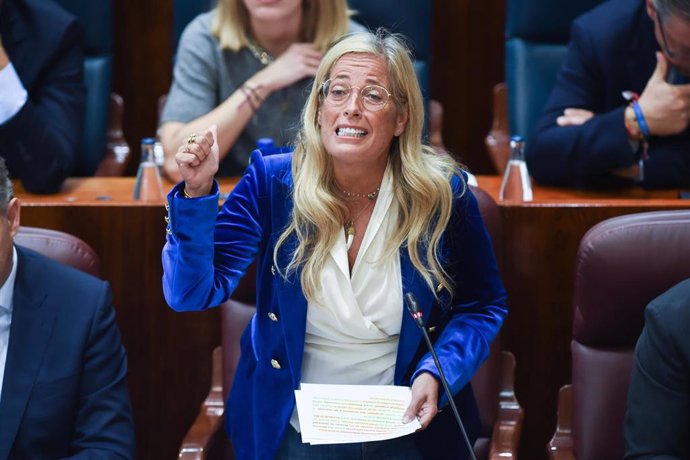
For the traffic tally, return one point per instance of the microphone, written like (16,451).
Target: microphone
(418,316)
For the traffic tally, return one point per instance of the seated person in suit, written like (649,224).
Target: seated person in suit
(246,67)
(41,92)
(595,130)
(63,387)
(657,421)
(359,215)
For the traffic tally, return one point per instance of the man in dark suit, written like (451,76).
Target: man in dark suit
(589,133)
(63,388)
(657,421)
(41,92)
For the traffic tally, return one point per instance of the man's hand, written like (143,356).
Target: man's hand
(666,108)
(574,117)
(424,403)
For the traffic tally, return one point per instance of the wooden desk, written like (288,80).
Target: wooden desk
(169,353)
(540,241)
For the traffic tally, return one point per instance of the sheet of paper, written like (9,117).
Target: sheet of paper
(336,414)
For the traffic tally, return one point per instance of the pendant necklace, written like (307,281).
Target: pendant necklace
(259,53)
(350,224)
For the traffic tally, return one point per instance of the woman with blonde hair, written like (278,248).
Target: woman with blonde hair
(246,66)
(358,216)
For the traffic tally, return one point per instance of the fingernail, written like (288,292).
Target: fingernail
(406,419)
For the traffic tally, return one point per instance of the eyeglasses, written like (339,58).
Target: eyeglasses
(373,97)
(681,55)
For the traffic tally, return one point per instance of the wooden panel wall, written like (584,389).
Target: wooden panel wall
(467,41)
(142,65)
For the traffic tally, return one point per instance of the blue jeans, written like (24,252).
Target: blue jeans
(292,448)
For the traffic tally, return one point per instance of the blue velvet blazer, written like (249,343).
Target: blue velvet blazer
(208,252)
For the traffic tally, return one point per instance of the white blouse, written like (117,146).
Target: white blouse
(353,324)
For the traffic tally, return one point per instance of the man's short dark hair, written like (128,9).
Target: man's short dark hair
(673,7)
(6,191)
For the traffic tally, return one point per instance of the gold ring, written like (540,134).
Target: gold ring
(191,140)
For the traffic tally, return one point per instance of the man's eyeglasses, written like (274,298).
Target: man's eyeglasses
(682,55)
(373,97)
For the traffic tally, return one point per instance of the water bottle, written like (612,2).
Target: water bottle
(266,144)
(148,186)
(516,184)
(158,154)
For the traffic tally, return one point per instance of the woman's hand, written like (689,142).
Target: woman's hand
(299,61)
(197,160)
(424,403)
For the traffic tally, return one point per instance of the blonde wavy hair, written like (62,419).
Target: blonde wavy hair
(323,21)
(421,176)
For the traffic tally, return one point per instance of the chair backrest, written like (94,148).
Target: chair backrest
(537,34)
(486,382)
(97,19)
(622,264)
(61,247)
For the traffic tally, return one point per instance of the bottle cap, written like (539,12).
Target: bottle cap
(148,141)
(265,143)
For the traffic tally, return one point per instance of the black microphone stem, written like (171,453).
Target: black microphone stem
(418,317)
(444,382)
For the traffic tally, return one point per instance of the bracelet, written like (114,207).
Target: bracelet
(248,98)
(631,125)
(254,92)
(252,95)
(641,122)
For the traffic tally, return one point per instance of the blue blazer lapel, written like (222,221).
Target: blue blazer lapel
(292,304)
(30,333)
(410,334)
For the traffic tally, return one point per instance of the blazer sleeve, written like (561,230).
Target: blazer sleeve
(104,428)
(565,155)
(40,143)
(207,252)
(657,421)
(478,307)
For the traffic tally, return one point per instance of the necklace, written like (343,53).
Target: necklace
(354,196)
(259,53)
(350,224)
